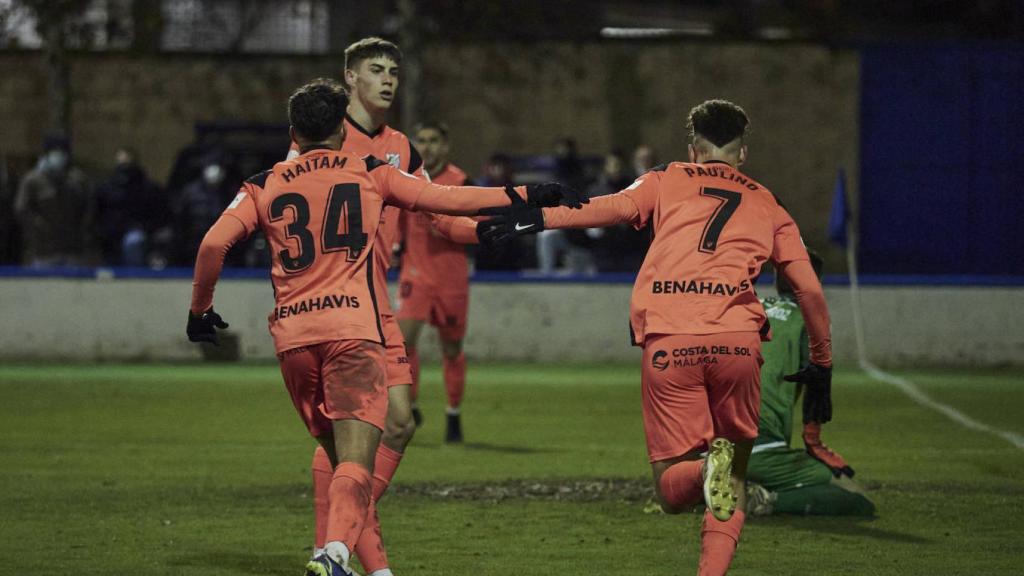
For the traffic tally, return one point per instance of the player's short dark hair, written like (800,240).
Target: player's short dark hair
(316,109)
(441,127)
(783,287)
(372,47)
(718,122)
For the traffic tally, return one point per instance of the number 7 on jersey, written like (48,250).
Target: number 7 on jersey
(729,201)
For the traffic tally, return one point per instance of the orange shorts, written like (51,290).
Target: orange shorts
(698,387)
(340,380)
(398,371)
(447,311)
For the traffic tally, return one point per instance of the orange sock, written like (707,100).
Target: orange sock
(370,547)
(384,467)
(681,485)
(414,367)
(322,474)
(718,543)
(349,500)
(455,379)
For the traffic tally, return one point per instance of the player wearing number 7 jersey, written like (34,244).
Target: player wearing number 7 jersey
(320,212)
(696,315)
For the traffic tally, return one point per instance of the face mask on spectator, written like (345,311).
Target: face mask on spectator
(213,174)
(56,160)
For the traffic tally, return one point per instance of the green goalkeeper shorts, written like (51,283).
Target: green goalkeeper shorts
(786,468)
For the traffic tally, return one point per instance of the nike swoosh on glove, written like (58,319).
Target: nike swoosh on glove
(509,222)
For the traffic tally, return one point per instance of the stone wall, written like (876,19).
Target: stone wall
(803,101)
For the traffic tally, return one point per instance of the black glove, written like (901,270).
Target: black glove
(549,194)
(509,222)
(201,327)
(817,382)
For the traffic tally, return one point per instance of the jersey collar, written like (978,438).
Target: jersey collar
(356,125)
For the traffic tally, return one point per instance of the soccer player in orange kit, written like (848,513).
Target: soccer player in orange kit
(434,282)
(320,212)
(372,76)
(695,313)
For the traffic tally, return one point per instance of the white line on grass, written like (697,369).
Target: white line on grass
(904,385)
(915,394)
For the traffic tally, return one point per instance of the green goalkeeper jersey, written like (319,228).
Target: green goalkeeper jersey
(785,354)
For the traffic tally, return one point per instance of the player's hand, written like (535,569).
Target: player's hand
(819,451)
(817,382)
(201,327)
(506,224)
(549,194)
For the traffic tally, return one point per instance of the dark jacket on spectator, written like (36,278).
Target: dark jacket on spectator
(56,211)
(128,200)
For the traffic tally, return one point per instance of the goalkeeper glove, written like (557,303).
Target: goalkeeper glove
(201,326)
(819,451)
(817,382)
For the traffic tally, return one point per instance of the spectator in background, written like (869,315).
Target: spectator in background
(56,208)
(10,252)
(131,211)
(568,166)
(614,176)
(200,204)
(644,159)
(498,172)
(616,248)
(573,244)
(191,160)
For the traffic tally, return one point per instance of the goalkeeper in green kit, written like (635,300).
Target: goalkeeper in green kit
(782,479)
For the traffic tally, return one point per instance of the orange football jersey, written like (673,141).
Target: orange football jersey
(430,259)
(321,214)
(713,229)
(393,147)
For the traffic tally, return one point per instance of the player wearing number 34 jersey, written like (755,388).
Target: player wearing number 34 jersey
(320,212)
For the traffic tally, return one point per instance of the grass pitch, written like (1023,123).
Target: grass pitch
(204,470)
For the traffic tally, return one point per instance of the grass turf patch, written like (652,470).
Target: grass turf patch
(205,470)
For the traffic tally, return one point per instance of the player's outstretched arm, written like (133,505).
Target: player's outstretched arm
(634,205)
(521,219)
(202,320)
(458,229)
(411,193)
(602,211)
